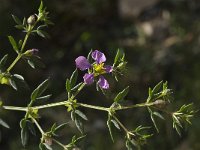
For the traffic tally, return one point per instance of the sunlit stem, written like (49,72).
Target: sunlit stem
(38,126)
(63,103)
(60,144)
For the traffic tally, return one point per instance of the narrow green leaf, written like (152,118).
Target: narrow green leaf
(17,20)
(43,34)
(13,83)
(77,86)
(35,62)
(158,115)
(157,87)
(20,43)
(41,6)
(47,146)
(60,127)
(115,124)
(18,77)
(4,124)
(153,120)
(24,136)
(3,62)
(150,95)
(13,43)
(41,146)
(120,96)
(116,57)
(73,115)
(89,54)
(73,78)
(19,27)
(67,85)
(110,127)
(46,97)
(79,124)
(39,90)
(81,114)
(31,127)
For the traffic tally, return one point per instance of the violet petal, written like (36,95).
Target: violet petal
(108,68)
(98,56)
(103,83)
(88,78)
(82,63)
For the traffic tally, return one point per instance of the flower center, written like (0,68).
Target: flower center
(99,69)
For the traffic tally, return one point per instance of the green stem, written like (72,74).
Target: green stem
(14,62)
(60,144)
(38,126)
(25,41)
(135,106)
(123,127)
(63,103)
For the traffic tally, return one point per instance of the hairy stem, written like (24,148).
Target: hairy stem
(38,126)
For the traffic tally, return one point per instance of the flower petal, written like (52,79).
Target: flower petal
(103,83)
(108,69)
(98,56)
(82,63)
(88,78)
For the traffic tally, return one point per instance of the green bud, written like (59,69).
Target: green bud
(4,80)
(31,52)
(31,20)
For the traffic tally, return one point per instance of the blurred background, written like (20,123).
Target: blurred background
(161,39)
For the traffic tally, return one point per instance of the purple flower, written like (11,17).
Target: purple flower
(96,69)
(98,56)
(82,63)
(88,78)
(103,83)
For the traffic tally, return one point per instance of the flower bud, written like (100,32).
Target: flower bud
(31,52)
(4,80)
(31,20)
(160,104)
(48,141)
